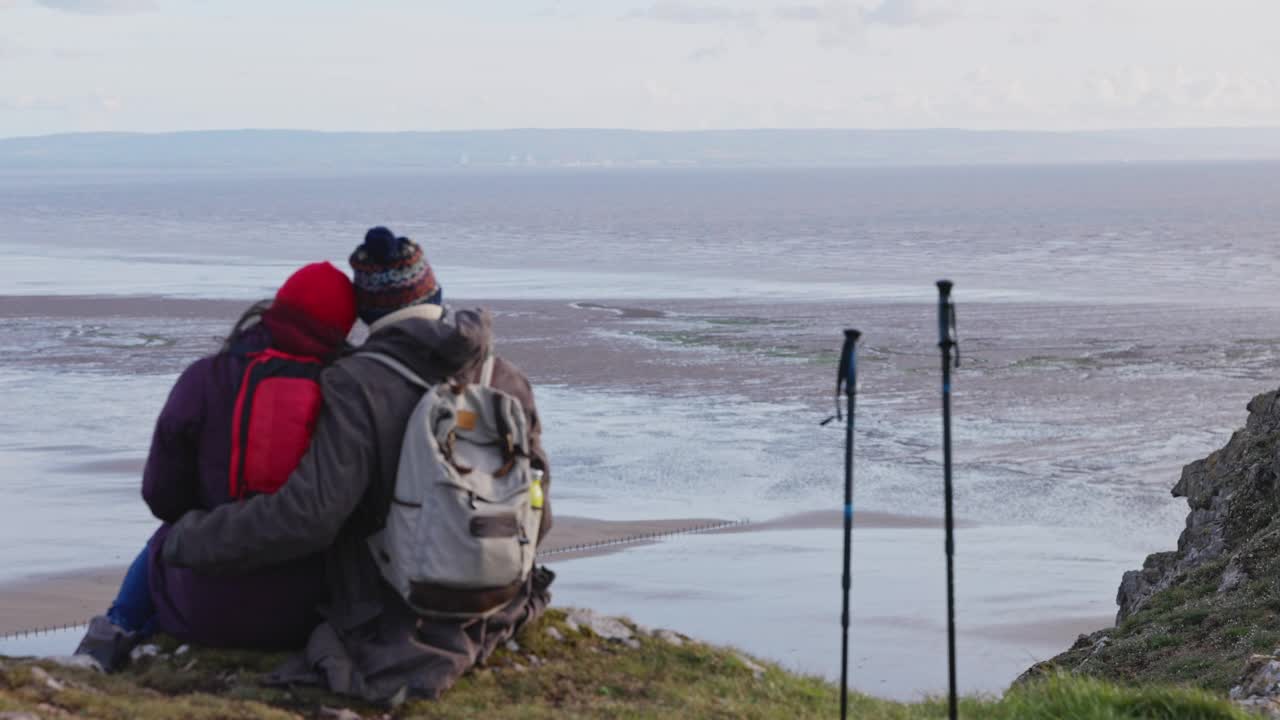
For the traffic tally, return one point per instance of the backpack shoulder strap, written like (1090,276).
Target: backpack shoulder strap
(486,371)
(398,367)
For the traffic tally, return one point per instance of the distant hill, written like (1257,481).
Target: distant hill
(287,150)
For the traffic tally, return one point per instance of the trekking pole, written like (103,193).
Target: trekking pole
(948,344)
(848,378)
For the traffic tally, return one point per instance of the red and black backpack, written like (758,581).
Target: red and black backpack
(275,414)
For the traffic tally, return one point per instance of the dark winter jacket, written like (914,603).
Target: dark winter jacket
(187,469)
(371,645)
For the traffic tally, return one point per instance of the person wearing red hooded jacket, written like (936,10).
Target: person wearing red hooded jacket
(189,467)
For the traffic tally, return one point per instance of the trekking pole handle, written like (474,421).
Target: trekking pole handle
(847,375)
(947,339)
(849,363)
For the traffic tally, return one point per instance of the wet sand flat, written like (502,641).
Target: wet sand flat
(57,600)
(68,598)
(1072,421)
(834,520)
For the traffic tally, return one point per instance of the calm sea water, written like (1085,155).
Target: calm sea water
(1117,319)
(1199,234)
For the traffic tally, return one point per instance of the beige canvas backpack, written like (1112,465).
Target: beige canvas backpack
(461,533)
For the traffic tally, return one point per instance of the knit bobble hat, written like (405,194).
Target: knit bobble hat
(313,311)
(391,273)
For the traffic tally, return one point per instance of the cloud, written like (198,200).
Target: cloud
(108,102)
(905,13)
(30,103)
(1176,88)
(685,13)
(707,54)
(798,13)
(842,22)
(838,22)
(99,7)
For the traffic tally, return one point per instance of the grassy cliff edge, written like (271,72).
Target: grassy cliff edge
(557,668)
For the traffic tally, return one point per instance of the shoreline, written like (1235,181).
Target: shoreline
(61,599)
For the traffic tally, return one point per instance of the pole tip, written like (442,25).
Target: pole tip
(851,334)
(944,286)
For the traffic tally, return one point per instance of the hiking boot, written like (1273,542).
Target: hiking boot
(108,643)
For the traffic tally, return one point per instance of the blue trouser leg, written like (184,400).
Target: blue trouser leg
(133,609)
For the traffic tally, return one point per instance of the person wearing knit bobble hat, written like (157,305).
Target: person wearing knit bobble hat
(188,469)
(392,275)
(371,645)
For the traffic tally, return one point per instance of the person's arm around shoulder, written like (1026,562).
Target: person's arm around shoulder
(170,477)
(306,514)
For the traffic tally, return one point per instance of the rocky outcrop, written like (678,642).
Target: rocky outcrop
(1198,613)
(1232,496)
(1259,688)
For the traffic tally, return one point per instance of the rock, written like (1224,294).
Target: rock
(1224,565)
(79,662)
(144,651)
(571,625)
(182,650)
(1259,687)
(632,643)
(755,667)
(1099,644)
(44,678)
(607,628)
(1227,493)
(1261,678)
(1232,578)
(669,637)
(555,634)
(192,664)
(513,646)
(328,713)
(1263,707)
(18,716)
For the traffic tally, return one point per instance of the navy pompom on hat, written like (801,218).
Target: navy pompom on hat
(391,273)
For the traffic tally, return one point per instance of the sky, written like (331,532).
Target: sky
(162,65)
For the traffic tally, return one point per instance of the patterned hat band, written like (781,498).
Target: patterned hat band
(392,278)
(388,278)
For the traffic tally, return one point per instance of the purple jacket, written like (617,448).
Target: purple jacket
(187,469)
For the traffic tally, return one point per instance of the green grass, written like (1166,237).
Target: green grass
(578,676)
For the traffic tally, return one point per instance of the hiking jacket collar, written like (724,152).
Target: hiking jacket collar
(423,312)
(434,343)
